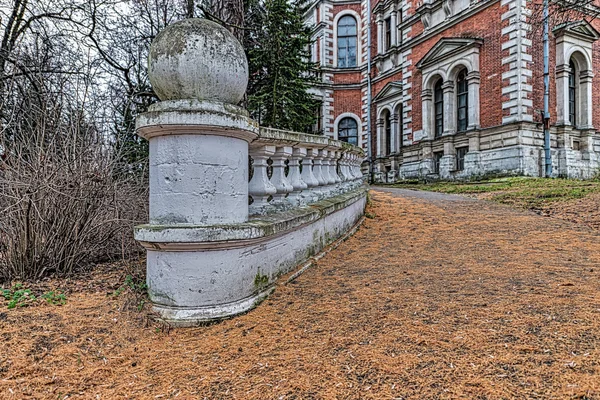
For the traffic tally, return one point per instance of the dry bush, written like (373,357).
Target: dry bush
(65,201)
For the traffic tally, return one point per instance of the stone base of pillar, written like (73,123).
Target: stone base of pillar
(447,166)
(472,163)
(426,167)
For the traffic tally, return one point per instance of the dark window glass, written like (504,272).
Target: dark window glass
(388,134)
(346,42)
(438,99)
(348,131)
(437,157)
(388,33)
(462,101)
(400,125)
(460,158)
(572,93)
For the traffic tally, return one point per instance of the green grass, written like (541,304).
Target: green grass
(520,191)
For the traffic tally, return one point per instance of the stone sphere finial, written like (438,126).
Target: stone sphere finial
(196,59)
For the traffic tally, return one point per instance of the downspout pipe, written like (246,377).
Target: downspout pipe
(547,153)
(369,100)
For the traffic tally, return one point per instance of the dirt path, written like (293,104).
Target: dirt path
(437,296)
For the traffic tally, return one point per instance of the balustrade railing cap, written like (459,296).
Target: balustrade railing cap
(197,59)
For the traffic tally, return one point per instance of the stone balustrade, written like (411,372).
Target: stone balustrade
(317,168)
(232,206)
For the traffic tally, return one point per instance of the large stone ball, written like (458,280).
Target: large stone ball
(200,60)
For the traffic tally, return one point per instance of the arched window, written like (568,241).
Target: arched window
(462,101)
(346,42)
(572,93)
(438,101)
(348,131)
(388,133)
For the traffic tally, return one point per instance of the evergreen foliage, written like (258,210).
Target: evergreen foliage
(277,44)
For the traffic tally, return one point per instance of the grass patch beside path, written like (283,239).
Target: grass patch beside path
(532,193)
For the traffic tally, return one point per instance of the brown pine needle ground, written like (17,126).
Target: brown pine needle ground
(435,297)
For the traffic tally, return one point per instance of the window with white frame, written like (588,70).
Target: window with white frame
(348,131)
(346,42)
(574,49)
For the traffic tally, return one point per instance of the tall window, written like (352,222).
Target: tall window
(348,131)
(438,102)
(462,102)
(572,93)
(388,134)
(346,33)
(388,33)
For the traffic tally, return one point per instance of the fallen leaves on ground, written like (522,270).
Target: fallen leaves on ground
(429,299)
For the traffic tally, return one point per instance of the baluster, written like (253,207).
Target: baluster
(278,179)
(345,175)
(318,172)
(329,162)
(357,164)
(308,175)
(260,188)
(295,176)
(336,157)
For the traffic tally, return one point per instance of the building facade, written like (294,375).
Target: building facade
(457,87)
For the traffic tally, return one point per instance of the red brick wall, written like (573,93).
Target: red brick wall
(347,101)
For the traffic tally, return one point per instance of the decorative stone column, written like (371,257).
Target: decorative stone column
(585,103)
(380,48)
(562,94)
(449,109)
(198,140)
(448,161)
(472,158)
(473,79)
(427,112)
(394,27)
(426,163)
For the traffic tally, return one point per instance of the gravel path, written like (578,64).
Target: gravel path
(435,297)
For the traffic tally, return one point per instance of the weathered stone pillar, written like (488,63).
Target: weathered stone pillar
(449,108)
(426,113)
(473,79)
(198,165)
(448,161)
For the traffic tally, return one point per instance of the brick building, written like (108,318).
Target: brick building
(457,87)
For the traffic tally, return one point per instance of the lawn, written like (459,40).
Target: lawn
(530,193)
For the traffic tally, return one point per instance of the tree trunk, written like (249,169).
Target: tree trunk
(231,13)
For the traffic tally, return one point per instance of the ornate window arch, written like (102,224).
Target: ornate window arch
(347,41)
(574,73)
(456,61)
(338,126)
(348,130)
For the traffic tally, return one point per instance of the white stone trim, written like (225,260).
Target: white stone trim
(519,74)
(452,61)
(358,125)
(579,48)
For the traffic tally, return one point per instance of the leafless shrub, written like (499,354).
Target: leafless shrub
(63,201)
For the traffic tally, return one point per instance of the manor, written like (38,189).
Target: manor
(457,87)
